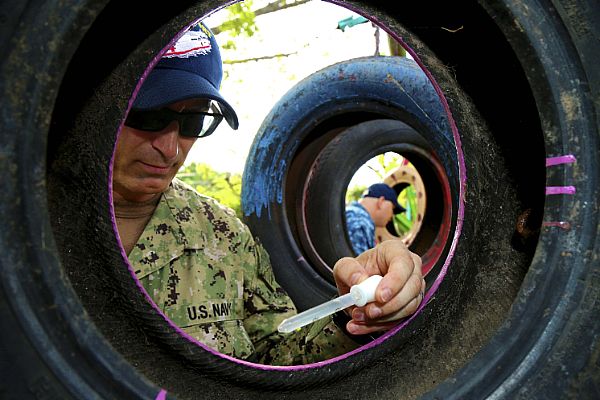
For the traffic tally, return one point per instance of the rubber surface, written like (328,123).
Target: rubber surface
(284,155)
(68,331)
(334,168)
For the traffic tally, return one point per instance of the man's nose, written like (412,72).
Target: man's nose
(167,141)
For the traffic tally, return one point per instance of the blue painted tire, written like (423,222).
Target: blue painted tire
(312,114)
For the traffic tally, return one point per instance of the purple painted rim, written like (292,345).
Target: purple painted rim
(566,159)
(552,190)
(388,334)
(560,190)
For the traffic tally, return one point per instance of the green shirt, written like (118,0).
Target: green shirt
(203,268)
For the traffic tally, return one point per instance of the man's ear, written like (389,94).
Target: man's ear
(380,201)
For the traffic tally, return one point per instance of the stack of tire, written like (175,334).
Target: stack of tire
(513,296)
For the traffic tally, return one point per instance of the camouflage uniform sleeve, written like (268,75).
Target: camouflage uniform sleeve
(267,304)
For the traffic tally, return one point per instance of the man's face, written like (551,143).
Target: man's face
(145,162)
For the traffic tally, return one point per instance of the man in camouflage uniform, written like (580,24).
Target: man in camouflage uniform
(196,260)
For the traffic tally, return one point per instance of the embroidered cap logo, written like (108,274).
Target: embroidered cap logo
(191,44)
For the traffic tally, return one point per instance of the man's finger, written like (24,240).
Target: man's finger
(348,272)
(409,292)
(362,329)
(400,265)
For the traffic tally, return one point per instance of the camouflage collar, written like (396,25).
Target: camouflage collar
(172,229)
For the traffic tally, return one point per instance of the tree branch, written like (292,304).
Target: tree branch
(257,58)
(271,7)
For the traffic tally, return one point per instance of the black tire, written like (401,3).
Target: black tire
(67,331)
(323,201)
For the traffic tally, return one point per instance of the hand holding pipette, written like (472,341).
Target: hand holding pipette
(399,293)
(359,295)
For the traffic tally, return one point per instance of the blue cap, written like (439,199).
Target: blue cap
(378,190)
(191,68)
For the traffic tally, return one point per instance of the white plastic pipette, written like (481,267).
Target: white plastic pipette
(359,295)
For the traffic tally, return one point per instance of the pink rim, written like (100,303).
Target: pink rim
(388,334)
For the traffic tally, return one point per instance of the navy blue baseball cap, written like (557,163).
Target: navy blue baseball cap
(191,68)
(378,190)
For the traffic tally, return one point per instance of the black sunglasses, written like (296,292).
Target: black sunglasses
(191,124)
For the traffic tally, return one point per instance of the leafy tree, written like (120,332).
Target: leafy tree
(242,16)
(241,21)
(382,165)
(354,193)
(225,187)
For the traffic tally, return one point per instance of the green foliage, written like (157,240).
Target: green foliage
(387,162)
(354,193)
(241,21)
(225,187)
(404,221)
(382,165)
